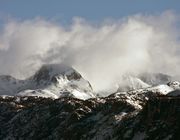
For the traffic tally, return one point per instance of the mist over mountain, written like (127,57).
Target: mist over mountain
(101,52)
(59,80)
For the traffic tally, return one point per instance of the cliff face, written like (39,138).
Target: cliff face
(113,117)
(159,119)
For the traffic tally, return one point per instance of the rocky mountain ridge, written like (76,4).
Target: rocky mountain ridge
(151,115)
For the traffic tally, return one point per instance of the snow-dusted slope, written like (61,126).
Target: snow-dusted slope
(142,81)
(138,96)
(50,81)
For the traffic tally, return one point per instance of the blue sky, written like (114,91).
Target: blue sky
(65,10)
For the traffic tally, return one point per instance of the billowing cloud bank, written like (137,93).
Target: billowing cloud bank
(102,52)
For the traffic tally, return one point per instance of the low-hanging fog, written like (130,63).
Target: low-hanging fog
(102,52)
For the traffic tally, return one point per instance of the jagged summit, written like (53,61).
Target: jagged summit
(50,72)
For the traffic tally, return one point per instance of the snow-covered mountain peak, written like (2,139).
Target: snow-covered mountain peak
(52,80)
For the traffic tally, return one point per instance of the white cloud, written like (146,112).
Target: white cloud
(102,53)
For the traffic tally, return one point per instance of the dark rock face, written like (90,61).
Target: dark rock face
(42,74)
(161,118)
(113,117)
(50,72)
(74,75)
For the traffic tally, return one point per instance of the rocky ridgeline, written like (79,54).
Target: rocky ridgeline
(135,115)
